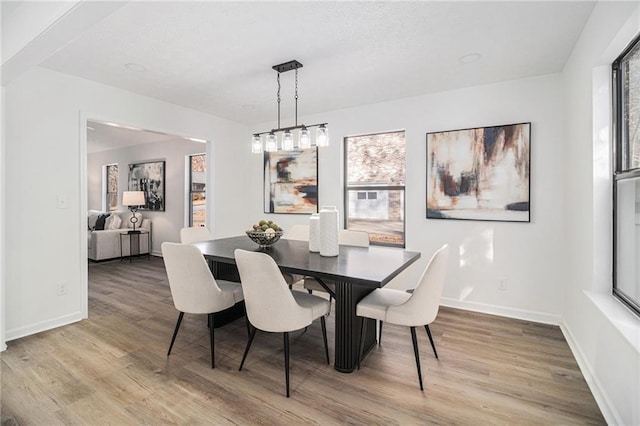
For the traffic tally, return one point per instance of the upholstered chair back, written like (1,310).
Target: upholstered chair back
(422,307)
(268,300)
(195,234)
(297,232)
(193,288)
(347,237)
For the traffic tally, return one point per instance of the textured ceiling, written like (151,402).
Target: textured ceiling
(216,57)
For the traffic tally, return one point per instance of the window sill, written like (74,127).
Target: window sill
(619,315)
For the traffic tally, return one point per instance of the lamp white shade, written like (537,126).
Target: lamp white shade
(133,198)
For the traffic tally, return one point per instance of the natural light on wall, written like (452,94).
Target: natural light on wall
(475,251)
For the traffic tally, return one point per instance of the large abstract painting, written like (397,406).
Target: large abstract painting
(291,181)
(148,177)
(479,174)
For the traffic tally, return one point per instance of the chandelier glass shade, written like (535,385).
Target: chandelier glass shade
(304,141)
(296,137)
(322,136)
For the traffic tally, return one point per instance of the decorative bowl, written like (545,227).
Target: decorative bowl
(264,239)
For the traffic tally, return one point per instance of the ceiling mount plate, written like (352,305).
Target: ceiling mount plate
(287,66)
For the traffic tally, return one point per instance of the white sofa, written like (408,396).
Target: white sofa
(105,244)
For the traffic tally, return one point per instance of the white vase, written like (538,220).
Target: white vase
(314,233)
(329,231)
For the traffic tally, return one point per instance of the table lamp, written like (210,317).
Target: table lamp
(133,200)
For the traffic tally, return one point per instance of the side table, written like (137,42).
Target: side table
(134,244)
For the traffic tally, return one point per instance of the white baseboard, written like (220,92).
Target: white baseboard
(604,403)
(502,311)
(43,326)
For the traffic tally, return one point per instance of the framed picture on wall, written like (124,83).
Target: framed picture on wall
(291,181)
(149,178)
(480,173)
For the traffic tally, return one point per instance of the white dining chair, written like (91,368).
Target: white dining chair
(272,307)
(194,289)
(346,237)
(195,234)
(415,309)
(298,233)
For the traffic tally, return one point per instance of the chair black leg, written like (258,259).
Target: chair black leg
(246,350)
(286,360)
(309,291)
(324,337)
(175,332)
(415,351)
(380,332)
(363,331)
(248,325)
(213,350)
(426,327)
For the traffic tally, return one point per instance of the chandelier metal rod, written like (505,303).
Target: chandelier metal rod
(279,98)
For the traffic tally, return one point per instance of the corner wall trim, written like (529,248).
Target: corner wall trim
(43,326)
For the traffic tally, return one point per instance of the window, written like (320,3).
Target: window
(626,178)
(374,190)
(197,189)
(111,179)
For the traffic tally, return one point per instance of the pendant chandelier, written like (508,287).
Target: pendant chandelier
(296,137)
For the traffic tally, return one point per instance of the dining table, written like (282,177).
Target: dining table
(356,272)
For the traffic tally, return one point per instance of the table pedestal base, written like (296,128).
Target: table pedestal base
(348,327)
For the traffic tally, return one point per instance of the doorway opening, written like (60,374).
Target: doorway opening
(113,156)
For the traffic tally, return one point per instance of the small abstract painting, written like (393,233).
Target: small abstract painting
(148,177)
(291,181)
(479,174)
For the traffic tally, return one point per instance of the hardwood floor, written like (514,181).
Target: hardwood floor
(113,369)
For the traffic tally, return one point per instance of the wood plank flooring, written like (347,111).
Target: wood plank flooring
(113,369)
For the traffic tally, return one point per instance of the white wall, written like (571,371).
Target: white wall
(165,225)
(482,251)
(45,157)
(604,336)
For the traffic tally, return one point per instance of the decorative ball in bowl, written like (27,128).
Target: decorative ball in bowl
(265,233)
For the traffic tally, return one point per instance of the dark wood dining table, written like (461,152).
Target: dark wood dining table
(356,271)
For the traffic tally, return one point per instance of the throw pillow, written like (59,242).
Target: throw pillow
(93,217)
(114,222)
(100,222)
(107,222)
